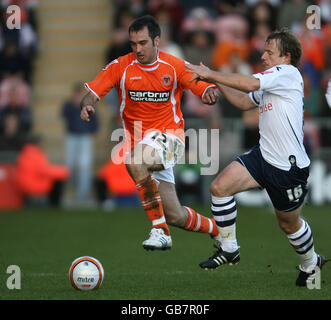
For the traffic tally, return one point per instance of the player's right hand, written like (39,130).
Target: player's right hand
(199,72)
(86,112)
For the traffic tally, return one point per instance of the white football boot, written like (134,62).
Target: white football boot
(157,240)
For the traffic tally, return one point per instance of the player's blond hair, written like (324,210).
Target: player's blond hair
(287,42)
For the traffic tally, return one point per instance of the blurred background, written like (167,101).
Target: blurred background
(48,156)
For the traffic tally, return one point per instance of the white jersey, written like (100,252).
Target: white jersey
(280,102)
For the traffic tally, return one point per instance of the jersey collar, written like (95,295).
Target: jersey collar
(151,66)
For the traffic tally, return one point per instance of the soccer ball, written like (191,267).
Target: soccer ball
(86,273)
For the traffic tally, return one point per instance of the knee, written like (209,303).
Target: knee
(216,189)
(287,227)
(134,169)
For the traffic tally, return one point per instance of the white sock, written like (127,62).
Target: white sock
(303,243)
(225,212)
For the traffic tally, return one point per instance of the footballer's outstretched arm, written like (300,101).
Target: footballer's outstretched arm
(237,98)
(88,106)
(233,80)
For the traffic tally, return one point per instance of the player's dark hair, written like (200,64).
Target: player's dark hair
(148,21)
(287,43)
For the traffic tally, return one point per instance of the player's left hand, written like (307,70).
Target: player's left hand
(199,72)
(86,111)
(210,97)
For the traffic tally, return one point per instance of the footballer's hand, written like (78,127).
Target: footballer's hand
(86,112)
(199,72)
(210,97)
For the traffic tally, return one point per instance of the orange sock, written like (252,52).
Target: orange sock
(151,201)
(198,223)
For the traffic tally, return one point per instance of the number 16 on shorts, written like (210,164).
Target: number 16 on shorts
(295,193)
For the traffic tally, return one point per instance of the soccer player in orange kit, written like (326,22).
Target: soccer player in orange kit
(150,85)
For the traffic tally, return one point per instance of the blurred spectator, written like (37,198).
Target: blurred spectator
(12,61)
(326,36)
(27,42)
(325,131)
(312,95)
(312,66)
(11,137)
(24,39)
(328,93)
(198,47)
(14,104)
(236,64)
(120,45)
(224,51)
(257,42)
(325,6)
(292,13)
(14,85)
(252,3)
(79,142)
(113,184)
(326,72)
(231,37)
(312,47)
(28,10)
(192,107)
(198,19)
(263,12)
(36,176)
(135,8)
(251,131)
(312,139)
(224,7)
(169,46)
(169,11)
(189,5)
(189,181)
(232,28)
(259,36)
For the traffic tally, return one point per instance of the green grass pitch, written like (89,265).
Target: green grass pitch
(43,242)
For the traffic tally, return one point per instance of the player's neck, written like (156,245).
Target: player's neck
(152,61)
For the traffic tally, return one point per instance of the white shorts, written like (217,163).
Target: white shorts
(170,149)
(166,175)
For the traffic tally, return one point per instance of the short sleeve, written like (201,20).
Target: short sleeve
(274,80)
(105,80)
(256,96)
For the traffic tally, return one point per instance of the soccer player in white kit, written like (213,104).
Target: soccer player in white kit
(279,163)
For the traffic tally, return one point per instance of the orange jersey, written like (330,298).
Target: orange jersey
(150,95)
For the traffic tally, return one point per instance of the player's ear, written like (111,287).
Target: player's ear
(288,57)
(156,41)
